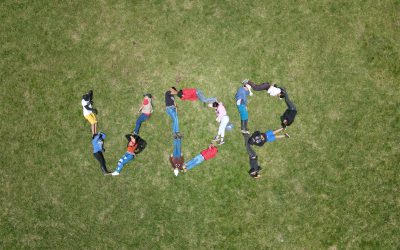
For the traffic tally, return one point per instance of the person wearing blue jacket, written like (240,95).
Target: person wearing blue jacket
(98,149)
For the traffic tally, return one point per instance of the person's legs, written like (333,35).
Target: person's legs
(194,162)
(202,98)
(244,116)
(171,111)
(259,87)
(100,158)
(222,126)
(289,103)
(139,122)
(278,130)
(123,161)
(249,149)
(177,148)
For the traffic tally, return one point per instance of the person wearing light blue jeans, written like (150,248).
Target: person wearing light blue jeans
(203,98)
(177,148)
(194,162)
(171,109)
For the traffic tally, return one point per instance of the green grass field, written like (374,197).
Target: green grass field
(334,185)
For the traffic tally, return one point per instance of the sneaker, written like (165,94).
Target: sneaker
(176,171)
(221,142)
(184,169)
(287,135)
(245,132)
(115,173)
(216,138)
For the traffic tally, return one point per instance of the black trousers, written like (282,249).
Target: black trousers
(259,87)
(99,157)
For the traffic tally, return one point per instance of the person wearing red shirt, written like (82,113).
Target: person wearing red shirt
(204,155)
(135,145)
(145,111)
(192,94)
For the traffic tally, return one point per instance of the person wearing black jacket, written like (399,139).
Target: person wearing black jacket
(288,116)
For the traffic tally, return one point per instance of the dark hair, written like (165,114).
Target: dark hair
(180,93)
(148,95)
(215,104)
(174,88)
(94,135)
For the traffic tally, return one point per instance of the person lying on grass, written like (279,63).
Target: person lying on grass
(172,111)
(271,89)
(222,119)
(288,116)
(193,94)
(88,111)
(145,111)
(135,145)
(204,155)
(98,149)
(241,104)
(259,139)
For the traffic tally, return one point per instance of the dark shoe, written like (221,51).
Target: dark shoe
(178,135)
(255,175)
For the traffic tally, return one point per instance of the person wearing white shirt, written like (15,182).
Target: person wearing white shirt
(88,110)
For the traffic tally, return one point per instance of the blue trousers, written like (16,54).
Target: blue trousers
(171,111)
(139,121)
(127,157)
(194,162)
(177,148)
(202,98)
(244,115)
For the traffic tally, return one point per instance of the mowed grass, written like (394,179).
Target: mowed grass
(333,185)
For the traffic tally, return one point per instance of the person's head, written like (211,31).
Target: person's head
(215,105)
(173,91)
(133,138)
(88,96)
(148,95)
(180,93)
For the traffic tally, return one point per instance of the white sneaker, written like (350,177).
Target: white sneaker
(115,173)
(176,171)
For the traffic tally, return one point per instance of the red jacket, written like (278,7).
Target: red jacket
(209,153)
(189,94)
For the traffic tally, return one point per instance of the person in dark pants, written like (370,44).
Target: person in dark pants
(255,169)
(98,149)
(288,116)
(270,88)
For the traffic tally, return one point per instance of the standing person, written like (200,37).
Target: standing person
(135,145)
(241,103)
(288,116)
(171,110)
(204,155)
(192,94)
(88,111)
(98,149)
(223,120)
(259,139)
(145,109)
(270,88)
